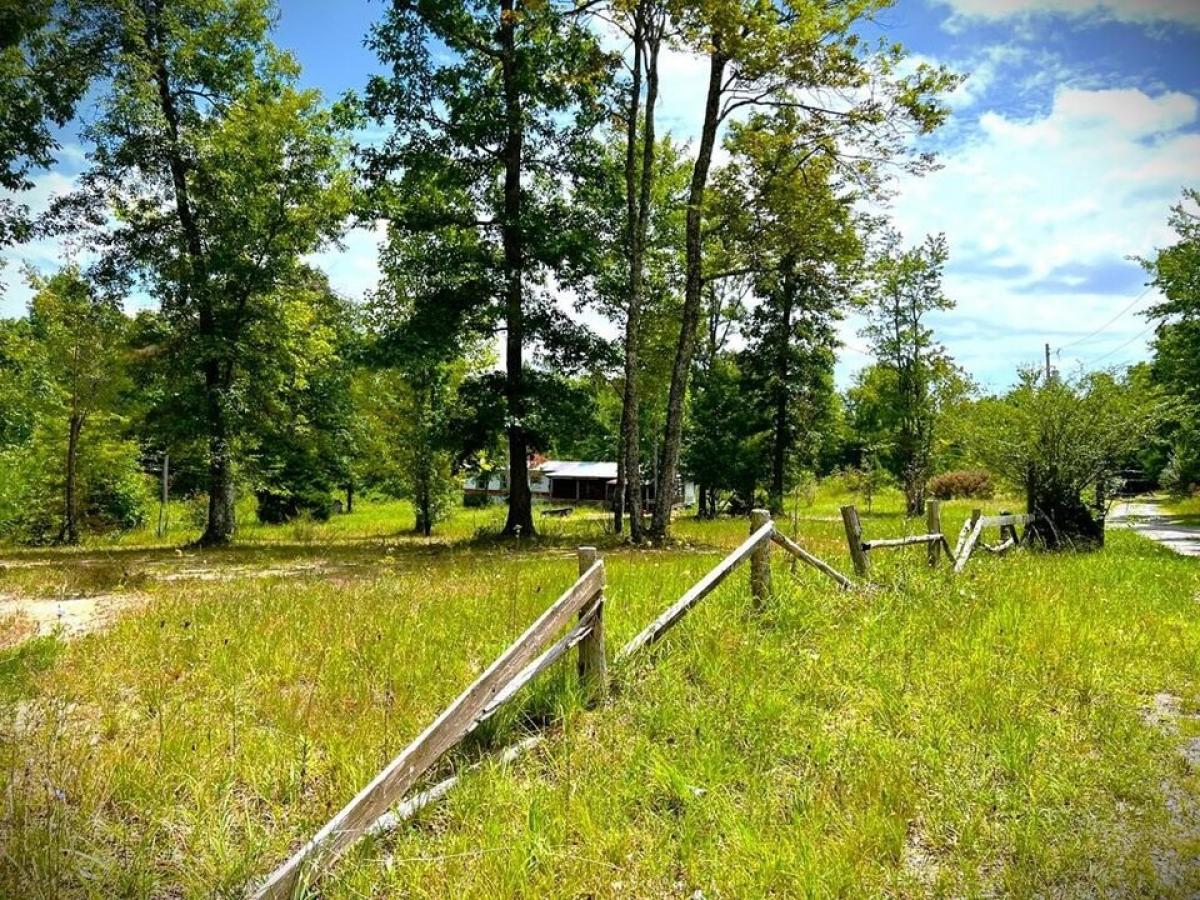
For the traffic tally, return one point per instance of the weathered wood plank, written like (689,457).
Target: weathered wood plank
(1006,519)
(696,593)
(816,562)
(592,664)
(949,549)
(933,524)
(414,804)
(447,729)
(551,655)
(760,562)
(904,541)
(965,532)
(858,555)
(960,562)
(1001,548)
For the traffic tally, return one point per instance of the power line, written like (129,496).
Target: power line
(1134,302)
(1116,349)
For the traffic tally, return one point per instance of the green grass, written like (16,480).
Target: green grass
(935,736)
(1189,506)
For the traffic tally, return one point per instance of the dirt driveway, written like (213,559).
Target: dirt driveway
(1179,533)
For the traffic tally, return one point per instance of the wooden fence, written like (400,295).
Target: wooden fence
(972,529)
(514,668)
(934,538)
(371,810)
(378,806)
(860,549)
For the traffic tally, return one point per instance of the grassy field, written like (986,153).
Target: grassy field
(1186,507)
(933,736)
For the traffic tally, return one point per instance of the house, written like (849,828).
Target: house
(576,481)
(566,481)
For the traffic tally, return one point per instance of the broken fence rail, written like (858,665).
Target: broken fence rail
(973,529)
(860,549)
(935,538)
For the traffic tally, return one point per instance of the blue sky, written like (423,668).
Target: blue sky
(1077,129)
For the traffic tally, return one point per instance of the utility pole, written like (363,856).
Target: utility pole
(1047,363)
(162,509)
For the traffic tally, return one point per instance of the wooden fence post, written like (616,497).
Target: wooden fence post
(760,562)
(933,525)
(1007,531)
(862,565)
(593,666)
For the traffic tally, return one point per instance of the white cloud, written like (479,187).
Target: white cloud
(1042,214)
(982,70)
(44,254)
(1133,11)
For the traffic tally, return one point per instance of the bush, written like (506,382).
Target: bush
(196,510)
(278,506)
(975,484)
(1181,475)
(476,501)
(113,492)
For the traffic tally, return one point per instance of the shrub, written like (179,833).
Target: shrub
(1181,475)
(196,510)
(113,492)
(476,501)
(966,483)
(278,506)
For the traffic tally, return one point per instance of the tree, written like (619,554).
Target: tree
(605,285)
(1175,271)
(47,60)
(724,445)
(786,224)
(484,133)
(850,106)
(906,286)
(221,176)
(426,460)
(298,445)
(645,23)
(716,449)
(875,416)
(81,337)
(66,462)
(1063,441)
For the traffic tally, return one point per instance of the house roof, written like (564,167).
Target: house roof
(573,468)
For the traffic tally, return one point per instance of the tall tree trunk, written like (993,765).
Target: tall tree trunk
(690,318)
(70,527)
(629,394)
(219,528)
(639,186)
(350,496)
(220,525)
(520,500)
(781,438)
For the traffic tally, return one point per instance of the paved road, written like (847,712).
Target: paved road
(1146,517)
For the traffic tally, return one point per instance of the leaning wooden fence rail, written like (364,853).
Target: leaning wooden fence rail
(860,549)
(514,667)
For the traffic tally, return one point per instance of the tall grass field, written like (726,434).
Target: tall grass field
(1029,728)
